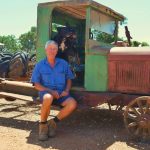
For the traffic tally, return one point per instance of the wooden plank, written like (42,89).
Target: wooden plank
(73,12)
(16,96)
(18,83)
(77,9)
(18,88)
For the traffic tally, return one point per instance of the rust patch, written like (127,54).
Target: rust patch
(129,74)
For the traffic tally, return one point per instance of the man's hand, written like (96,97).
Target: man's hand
(55,94)
(64,93)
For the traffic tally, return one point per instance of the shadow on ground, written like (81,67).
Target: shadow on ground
(90,129)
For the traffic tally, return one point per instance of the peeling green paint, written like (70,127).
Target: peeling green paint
(96,73)
(43,33)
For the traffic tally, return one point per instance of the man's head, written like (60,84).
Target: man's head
(51,49)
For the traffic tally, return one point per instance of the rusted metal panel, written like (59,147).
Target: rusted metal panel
(92,99)
(138,58)
(129,73)
(122,99)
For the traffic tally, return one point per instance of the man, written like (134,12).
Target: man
(52,78)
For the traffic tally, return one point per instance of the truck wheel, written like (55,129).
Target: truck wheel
(137,117)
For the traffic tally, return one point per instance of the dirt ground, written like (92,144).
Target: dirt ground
(91,129)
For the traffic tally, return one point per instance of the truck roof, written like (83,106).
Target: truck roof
(78,7)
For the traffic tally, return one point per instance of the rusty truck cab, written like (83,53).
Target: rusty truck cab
(90,19)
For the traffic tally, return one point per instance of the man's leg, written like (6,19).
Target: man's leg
(45,110)
(69,106)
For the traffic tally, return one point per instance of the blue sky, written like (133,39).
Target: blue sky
(17,16)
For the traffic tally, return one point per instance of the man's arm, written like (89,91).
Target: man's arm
(69,77)
(68,87)
(39,87)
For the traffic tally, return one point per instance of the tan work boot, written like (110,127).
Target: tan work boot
(51,128)
(43,132)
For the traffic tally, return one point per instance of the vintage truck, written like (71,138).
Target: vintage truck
(105,74)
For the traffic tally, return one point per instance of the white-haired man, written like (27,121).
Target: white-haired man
(52,78)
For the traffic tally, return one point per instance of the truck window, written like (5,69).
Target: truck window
(102,27)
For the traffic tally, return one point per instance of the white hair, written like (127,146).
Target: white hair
(49,43)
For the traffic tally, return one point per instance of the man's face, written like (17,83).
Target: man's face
(51,50)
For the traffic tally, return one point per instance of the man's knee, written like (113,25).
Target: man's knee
(72,104)
(47,99)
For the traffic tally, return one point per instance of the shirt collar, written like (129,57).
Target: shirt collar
(56,61)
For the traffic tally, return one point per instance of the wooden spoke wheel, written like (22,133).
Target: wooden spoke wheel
(137,117)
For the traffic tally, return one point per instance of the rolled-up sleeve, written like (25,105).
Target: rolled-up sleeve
(36,74)
(69,74)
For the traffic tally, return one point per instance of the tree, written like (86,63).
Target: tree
(28,40)
(144,44)
(11,43)
(104,37)
(136,43)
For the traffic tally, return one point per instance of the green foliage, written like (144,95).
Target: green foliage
(54,27)
(144,44)
(11,43)
(135,43)
(106,38)
(103,37)
(28,40)
(34,29)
